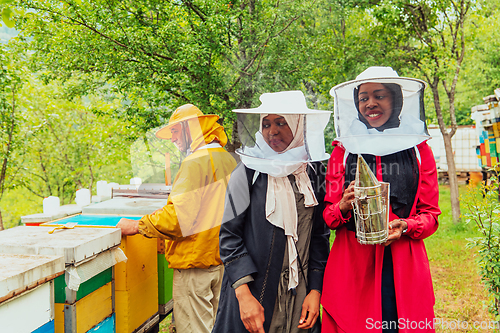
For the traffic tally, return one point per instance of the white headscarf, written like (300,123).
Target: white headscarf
(281,209)
(308,145)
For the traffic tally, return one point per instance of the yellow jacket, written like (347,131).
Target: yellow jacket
(190,221)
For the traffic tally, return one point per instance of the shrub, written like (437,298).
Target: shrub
(482,208)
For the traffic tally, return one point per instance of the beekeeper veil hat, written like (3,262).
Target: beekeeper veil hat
(256,154)
(404,129)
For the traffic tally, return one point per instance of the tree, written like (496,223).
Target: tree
(69,147)
(430,39)
(339,50)
(10,118)
(219,55)
(8,13)
(482,62)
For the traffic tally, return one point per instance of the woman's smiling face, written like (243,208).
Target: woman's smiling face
(375,103)
(276,132)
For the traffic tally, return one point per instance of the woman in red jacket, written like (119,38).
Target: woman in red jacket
(388,287)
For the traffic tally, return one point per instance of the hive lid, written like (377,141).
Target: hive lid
(90,220)
(21,272)
(74,245)
(41,217)
(126,206)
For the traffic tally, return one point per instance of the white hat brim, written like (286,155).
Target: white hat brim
(406,83)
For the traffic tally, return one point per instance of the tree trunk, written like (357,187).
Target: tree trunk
(235,140)
(450,158)
(452,176)
(1,221)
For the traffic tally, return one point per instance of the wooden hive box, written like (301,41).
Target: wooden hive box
(27,287)
(138,281)
(84,296)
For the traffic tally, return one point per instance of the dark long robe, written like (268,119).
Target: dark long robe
(251,245)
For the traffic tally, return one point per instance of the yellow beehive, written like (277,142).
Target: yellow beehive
(495,130)
(90,310)
(132,309)
(141,263)
(136,283)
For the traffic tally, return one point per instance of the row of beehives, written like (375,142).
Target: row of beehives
(77,280)
(487,119)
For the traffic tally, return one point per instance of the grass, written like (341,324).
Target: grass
(460,296)
(166,325)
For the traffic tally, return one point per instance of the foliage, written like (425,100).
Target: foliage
(430,39)
(148,158)
(9,13)
(10,117)
(10,84)
(219,55)
(483,209)
(69,147)
(16,203)
(222,55)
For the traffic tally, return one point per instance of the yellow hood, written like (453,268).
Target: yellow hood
(204,129)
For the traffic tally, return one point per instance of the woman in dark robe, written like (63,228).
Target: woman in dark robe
(273,240)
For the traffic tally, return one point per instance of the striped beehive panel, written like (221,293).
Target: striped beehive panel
(165,278)
(86,252)
(105,326)
(488,124)
(85,288)
(133,309)
(89,311)
(141,264)
(137,281)
(146,258)
(47,328)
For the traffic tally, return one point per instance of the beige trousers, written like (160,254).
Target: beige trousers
(196,298)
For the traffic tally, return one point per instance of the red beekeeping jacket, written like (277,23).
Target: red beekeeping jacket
(353,276)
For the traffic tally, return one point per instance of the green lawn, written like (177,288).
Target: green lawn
(460,295)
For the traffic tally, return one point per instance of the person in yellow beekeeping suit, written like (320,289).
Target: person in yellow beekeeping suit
(190,221)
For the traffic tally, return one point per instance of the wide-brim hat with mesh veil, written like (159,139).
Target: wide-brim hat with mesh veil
(354,134)
(256,153)
(183,113)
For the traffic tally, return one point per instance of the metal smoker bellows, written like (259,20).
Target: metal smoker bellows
(371,206)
